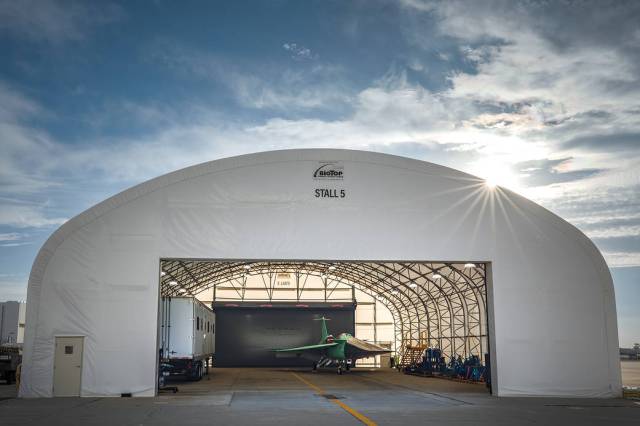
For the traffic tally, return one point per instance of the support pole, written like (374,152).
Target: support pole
(375,330)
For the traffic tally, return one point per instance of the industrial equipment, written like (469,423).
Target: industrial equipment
(433,364)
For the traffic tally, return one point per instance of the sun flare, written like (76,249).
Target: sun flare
(496,172)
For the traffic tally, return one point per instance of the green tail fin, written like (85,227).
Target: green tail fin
(325,333)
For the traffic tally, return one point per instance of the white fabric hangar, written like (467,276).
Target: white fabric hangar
(547,304)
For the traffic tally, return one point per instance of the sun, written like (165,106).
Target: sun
(496,173)
(491,182)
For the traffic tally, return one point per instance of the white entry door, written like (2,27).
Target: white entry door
(67,367)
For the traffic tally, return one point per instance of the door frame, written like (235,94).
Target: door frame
(55,337)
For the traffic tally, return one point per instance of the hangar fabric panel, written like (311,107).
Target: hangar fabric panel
(406,228)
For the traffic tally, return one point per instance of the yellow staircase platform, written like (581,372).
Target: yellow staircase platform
(412,355)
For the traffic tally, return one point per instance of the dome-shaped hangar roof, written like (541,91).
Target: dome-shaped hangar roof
(549,295)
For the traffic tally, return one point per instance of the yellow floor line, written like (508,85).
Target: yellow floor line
(308,383)
(364,419)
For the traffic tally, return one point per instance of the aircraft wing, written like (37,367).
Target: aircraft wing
(310,348)
(311,352)
(356,348)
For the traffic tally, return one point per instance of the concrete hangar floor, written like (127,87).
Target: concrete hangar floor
(268,396)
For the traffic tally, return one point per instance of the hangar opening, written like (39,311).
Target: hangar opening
(415,309)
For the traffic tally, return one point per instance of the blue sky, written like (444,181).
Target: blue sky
(543,98)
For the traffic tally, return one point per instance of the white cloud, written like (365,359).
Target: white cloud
(420,5)
(15,106)
(299,52)
(13,287)
(622,259)
(615,232)
(20,143)
(11,236)
(317,86)
(13,239)
(26,216)
(557,83)
(544,77)
(289,93)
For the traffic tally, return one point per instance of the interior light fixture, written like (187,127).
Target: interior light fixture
(437,276)
(163,273)
(413,285)
(173,282)
(469,265)
(182,290)
(332,268)
(247,267)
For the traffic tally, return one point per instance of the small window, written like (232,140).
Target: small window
(68,350)
(197,323)
(213,328)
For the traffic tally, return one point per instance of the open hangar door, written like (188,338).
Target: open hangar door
(410,307)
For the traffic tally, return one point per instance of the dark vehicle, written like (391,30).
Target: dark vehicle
(10,358)
(163,374)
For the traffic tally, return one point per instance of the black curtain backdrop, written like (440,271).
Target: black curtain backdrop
(246,332)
